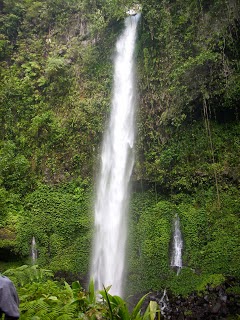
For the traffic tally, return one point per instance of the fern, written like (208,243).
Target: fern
(45,299)
(34,308)
(28,274)
(65,317)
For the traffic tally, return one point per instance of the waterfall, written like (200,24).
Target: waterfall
(33,251)
(117,161)
(176,260)
(164,303)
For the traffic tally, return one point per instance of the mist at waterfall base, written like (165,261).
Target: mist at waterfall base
(117,159)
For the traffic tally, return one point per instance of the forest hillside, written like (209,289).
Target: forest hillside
(56,69)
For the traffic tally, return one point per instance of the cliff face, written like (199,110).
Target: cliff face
(188,142)
(56,78)
(51,65)
(56,71)
(189,81)
(55,90)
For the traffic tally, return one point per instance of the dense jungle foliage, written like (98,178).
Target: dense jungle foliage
(55,90)
(44,298)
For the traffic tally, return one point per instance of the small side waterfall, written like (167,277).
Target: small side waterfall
(164,302)
(117,161)
(176,260)
(33,251)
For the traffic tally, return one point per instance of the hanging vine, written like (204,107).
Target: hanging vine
(209,135)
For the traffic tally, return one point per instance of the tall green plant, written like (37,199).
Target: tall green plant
(42,298)
(117,308)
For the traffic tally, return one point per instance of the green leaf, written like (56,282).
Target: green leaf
(137,308)
(91,292)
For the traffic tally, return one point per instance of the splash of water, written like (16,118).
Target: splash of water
(117,161)
(176,260)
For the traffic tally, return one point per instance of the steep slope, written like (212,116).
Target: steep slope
(56,75)
(188,144)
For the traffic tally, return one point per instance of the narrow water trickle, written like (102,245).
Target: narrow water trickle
(176,260)
(33,251)
(164,302)
(117,161)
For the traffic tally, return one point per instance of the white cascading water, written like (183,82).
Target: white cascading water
(163,303)
(117,161)
(33,251)
(176,260)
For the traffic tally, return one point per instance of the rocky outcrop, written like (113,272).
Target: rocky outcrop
(221,302)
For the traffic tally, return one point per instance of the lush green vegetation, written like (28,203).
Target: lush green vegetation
(188,143)
(55,91)
(43,298)
(58,242)
(210,240)
(54,55)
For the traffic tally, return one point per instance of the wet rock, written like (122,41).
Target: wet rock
(216,307)
(212,304)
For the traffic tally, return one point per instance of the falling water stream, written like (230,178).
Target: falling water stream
(33,251)
(117,161)
(176,260)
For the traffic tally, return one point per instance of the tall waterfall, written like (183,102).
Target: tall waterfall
(117,161)
(176,260)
